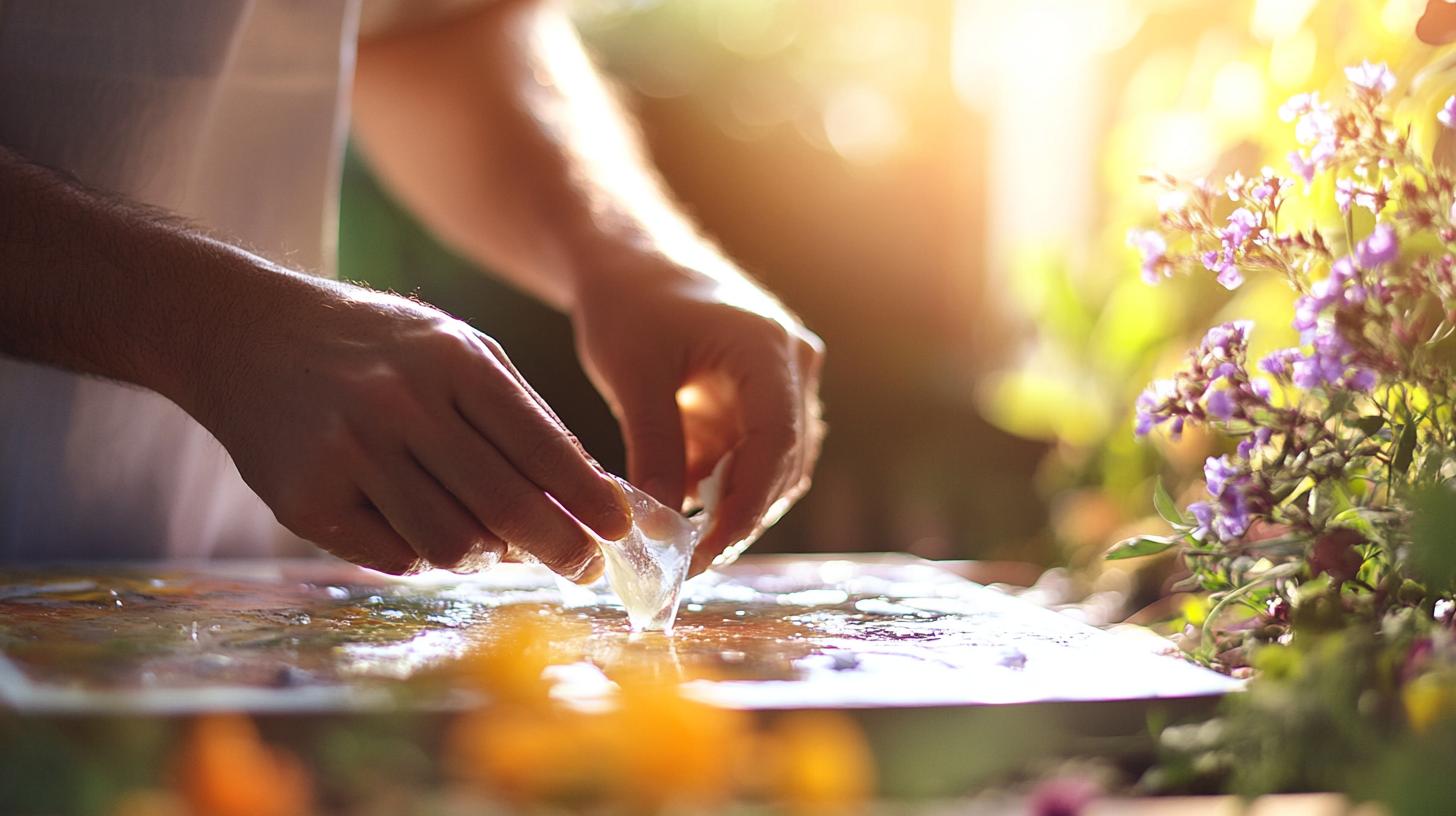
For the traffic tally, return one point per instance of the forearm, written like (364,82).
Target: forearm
(500,134)
(99,286)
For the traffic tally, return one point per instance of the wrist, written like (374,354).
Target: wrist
(608,264)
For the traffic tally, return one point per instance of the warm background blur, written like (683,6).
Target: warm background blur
(942,189)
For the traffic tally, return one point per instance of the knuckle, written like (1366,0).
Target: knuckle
(382,386)
(551,455)
(493,346)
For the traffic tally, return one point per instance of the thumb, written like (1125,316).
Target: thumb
(652,428)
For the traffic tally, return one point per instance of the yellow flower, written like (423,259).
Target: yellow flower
(225,769)
(1429,699)
(674,750)
(509,667)
(820,762)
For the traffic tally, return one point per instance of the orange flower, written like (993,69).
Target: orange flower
(674,750)
(820,762)
(225,769)
(509,667)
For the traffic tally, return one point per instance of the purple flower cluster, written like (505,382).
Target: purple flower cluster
(1347,192)
(1242,226)
(1234,494)
(1314,125)
(1215,385)
(1332,360)
(1154,250)
(1371,78)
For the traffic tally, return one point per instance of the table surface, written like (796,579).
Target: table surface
(768,633)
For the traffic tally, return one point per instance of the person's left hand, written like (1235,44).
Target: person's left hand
(699,362)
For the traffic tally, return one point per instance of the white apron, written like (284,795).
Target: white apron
(229,112)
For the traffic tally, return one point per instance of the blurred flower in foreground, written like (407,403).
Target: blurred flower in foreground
(225,769)
(819,762)
(653,749)
(1429,699)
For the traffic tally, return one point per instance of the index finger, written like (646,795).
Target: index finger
(764,461)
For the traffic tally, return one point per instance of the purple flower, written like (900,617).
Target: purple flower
(1379,248)
(1226,341)
(1344,194)
(1278,363)
(1302,167)
(1220,405)
(1326,363)
(1242,225)
(1362,380)
(1447,114)
(1228,518)
(1371,77)
(1151,408)
(1241,222)
(1254,441)
(1154,250)
(1203,514)
(1218,471)
(1229,277)
(1298,105)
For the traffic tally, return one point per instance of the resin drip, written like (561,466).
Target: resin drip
(647,568)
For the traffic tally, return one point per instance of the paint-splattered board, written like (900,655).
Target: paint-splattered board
(768,633)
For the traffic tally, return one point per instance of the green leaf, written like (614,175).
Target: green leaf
(1406,450)
(1370,424)
(1166,507)
(1433,536)
(1139,546)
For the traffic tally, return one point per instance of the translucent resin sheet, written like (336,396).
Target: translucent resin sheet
(770,633)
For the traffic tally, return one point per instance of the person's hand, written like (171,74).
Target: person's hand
(697,364)
(398,437)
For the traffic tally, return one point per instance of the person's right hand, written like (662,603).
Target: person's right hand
(398,437)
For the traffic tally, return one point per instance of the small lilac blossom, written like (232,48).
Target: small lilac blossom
(1218,471)
(1254,441)
(1233,516)
(1154,250)
(1203,515)
(1362,380)
(1372,77)
(1280,363)
(1234,184)
(1380,248)
(1220,405)
(1298,105)
(1150,411)
(1447,114)
(1242,225)
(1229,517)
(1226,341)
(1344,194)
(1305,169)
(1327,362)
